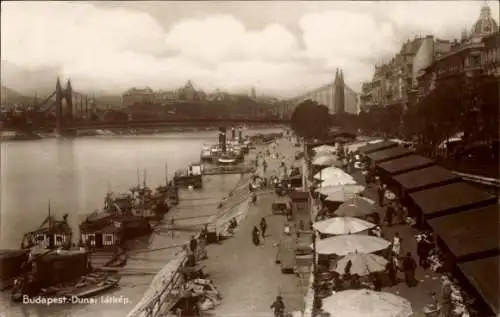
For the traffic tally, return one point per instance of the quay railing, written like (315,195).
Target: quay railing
(167,286)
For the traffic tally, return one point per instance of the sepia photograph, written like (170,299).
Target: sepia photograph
(250,158)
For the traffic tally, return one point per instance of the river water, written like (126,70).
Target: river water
(75,174)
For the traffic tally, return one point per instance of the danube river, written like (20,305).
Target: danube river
(74,176)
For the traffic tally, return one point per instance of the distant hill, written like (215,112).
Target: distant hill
(9,96)
(28,82)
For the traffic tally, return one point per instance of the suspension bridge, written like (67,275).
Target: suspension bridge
(74,111)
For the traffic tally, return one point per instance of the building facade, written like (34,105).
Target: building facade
(138,96)
(474,55)
(490,56)
(336,96)
(393,83)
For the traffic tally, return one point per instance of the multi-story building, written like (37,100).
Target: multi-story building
(393,82)
(330,96)
(138,96)
(490,56)
(472,56)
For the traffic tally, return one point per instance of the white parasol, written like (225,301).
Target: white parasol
(347,191)
(345,244)
(338,181)
(356,207)
(361,263)
(329,172)
(325,149)
(342,225)
(324,160)
(366,303)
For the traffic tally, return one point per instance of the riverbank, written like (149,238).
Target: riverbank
(11,135)
(75,173)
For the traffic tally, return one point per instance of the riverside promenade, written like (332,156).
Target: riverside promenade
(429,281)
(247,275)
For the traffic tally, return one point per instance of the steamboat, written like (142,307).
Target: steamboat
(191,176)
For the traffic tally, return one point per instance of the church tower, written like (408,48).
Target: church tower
(339,92)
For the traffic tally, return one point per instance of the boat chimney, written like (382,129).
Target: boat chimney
(233,134)
(222,138)
(240,135)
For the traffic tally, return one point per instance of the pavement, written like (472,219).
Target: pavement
(429,281)
(247,275)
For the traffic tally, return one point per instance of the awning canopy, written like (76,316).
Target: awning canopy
(388,154)
(470,233)
(405,164)
(450,198)
(379,146)
(483,274)
(425,177)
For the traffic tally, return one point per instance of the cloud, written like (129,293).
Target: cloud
(114,48)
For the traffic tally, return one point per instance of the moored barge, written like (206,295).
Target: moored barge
(10,266)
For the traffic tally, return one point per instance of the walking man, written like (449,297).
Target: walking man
(263,227)
(255,236)
(389,213)
(278,307)
(409,266)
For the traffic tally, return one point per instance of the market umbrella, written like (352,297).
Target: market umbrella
(329,172)
(347,190)
(345,244)
(361,263)
(337,181)
(325,149)
(366,303)
(342,225)
(324,160)
(355,207)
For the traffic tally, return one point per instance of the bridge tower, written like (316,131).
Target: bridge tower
(64,119)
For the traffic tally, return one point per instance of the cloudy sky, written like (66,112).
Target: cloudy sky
(282,48)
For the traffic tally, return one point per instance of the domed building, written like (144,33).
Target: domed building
(484,26)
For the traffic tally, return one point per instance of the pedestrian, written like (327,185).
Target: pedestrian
(377,283)
(193,244)
(392,272)
(380,194)
(421,251)
(278,307)
(396,245)
(389,213)
(446,304)
(263,227)
(409,266)
(255,236)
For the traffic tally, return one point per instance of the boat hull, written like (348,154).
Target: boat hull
(10,266)
(186,181)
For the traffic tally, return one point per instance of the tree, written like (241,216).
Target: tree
(310,120)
